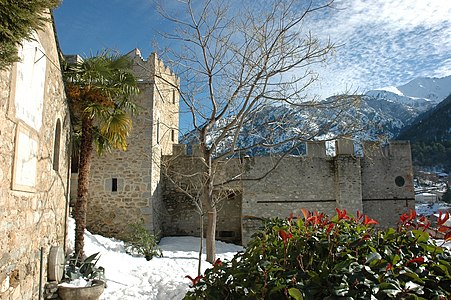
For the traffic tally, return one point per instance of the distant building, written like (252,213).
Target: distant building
(426,198)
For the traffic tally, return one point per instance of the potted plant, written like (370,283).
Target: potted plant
(84,280)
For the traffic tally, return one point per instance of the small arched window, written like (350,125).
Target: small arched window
(56,146)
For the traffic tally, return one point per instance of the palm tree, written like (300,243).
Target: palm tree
(99,90)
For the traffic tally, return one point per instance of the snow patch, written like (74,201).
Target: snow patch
(391,89)
(134,278)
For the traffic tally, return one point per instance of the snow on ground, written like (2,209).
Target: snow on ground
(130,277)
(428,209)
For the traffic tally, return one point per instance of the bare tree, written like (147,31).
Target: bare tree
(238,62)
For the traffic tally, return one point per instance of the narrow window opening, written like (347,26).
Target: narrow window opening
(173,135)
(173,96)
(158,131)
(114,185)
(56,146)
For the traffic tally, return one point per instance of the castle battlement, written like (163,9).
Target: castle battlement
(148,69)
(343,147)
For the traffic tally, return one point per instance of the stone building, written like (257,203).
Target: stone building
(34,166)
(379,184)
(125,185)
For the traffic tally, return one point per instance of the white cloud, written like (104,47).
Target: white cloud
(384,42)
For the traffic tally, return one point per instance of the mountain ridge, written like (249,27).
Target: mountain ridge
(381,112)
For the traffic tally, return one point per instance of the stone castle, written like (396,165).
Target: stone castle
(128,186)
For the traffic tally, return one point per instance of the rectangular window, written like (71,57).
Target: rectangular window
(173,135)
(173,96)
(114,185)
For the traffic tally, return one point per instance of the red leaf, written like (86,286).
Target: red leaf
(404,217)
(284,235)
(442,220)
(329,228)
(389,267)
(447,236)
(366,237)
(194,281)
(418,260)
(369,221)
(444,229)
(305,213)
(217,262)
(342,214)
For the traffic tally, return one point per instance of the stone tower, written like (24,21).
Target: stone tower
(125,185)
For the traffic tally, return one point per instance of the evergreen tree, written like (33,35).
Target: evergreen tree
(18,19)
(447,195)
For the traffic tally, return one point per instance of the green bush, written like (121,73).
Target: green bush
(142,242)
(341,258)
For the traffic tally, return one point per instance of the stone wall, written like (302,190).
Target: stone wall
(180,215)
(34,159)
(387,182)
(125,186)
(315,182)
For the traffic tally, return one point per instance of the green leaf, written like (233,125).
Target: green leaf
(295,293)
(389,289)
(421,236)
(372,257)
(412,286)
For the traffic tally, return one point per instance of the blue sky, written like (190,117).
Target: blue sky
(382,42)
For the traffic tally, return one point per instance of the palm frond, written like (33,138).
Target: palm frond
(101,87)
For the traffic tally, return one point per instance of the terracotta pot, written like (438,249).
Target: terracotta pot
(92,292)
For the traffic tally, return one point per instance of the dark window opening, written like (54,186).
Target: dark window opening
(173,96)
(56,146)
(114,185)
(400,181)
(226,234)
(173,135)
(74,163)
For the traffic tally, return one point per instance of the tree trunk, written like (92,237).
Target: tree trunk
(211,231)
(208,201)
(201,247)
(83,185)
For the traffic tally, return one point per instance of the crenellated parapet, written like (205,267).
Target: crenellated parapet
(153,68)
(318,149)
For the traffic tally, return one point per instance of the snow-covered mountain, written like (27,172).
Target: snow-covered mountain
(396,107)
(379,112)
(433,89)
